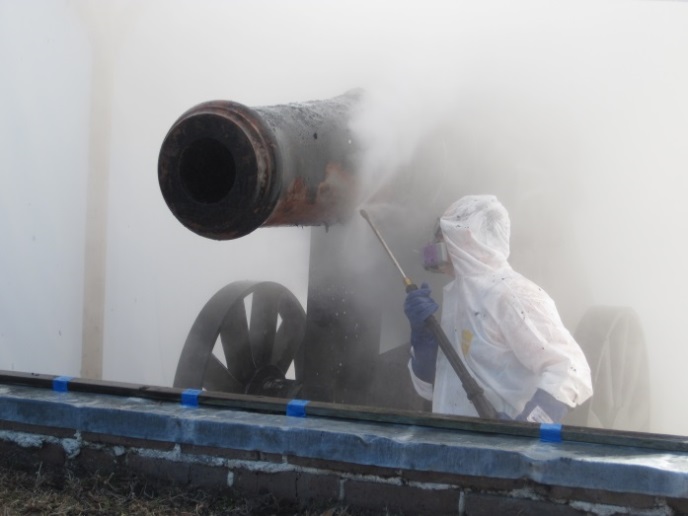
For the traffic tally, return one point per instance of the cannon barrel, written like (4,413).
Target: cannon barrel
(226,169)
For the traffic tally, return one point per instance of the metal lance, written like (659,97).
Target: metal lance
(226,169)
(473,390)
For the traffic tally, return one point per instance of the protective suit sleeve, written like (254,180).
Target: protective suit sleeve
(424,389)
(533,329)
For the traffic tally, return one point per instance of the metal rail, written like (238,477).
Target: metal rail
(673,443)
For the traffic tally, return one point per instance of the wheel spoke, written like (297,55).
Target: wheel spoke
(621,374)
(218,378)
(263,326)
(236,344)
(625,360)
(289,336)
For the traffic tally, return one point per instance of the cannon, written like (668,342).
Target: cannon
(225,170)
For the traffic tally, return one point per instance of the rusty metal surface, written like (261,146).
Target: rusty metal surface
(325,203)
(226,169)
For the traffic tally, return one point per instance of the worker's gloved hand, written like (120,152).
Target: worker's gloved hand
(543,408)
(419,306)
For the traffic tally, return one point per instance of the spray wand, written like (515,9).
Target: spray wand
(473,390)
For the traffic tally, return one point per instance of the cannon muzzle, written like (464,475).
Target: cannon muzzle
(226,169)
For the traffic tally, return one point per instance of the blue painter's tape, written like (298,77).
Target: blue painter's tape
(550,433)
(190,397)
(297,408)
(61,383)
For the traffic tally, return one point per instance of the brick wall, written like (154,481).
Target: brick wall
(305,479)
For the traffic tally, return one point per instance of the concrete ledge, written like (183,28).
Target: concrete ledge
(411,468)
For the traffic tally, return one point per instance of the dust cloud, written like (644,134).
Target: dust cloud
(573,116)
(573,113)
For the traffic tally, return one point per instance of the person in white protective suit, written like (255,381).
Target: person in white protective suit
(505,328)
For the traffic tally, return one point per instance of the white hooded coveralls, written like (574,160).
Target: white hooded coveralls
(505,328)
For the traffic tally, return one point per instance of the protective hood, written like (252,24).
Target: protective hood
(476,230)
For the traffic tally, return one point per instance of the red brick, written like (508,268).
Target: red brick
(463,481)
(128,442)
(636,501)
(679,505)
(158,469)
(205,475)
(411,500)
(343,467)
(316,487)
(289,485)
(102,460)
(37,429)
(280,484)
(49,455)
(489,505)
(271,457)
(224,453)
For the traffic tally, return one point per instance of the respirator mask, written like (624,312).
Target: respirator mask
(435,255)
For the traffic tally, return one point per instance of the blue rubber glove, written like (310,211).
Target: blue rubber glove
(543,408)
(418,307)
